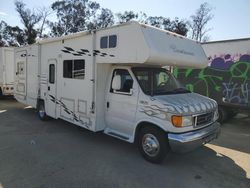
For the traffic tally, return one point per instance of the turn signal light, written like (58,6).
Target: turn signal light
(177,121)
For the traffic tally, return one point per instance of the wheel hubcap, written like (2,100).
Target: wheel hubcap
(150,145)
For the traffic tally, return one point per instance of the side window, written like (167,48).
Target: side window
(67,68)
(108,41)
(126,81)
(79,69)
(52,73)
(112,41)
(74,69)
(104,42)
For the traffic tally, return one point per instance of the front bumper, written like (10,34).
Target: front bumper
(184,142)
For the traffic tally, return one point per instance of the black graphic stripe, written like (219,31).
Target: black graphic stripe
(70,112)
(85,52)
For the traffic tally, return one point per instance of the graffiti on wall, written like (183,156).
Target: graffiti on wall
(227,79)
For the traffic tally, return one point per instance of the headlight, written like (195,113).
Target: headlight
(182,121)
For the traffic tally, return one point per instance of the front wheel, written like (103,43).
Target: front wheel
(153,144)
(41,112)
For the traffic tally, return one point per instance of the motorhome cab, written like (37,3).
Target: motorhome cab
(112,80)
(6,71)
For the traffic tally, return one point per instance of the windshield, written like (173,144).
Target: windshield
(157,81)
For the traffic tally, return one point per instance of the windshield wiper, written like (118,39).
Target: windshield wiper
(181,90)
(175,91)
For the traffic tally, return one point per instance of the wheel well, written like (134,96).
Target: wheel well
(142,125)
(39,101)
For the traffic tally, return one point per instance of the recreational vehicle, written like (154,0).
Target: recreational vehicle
(112,80)
(6,71)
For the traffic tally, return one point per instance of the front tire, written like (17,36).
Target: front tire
(41,111)
(153,144)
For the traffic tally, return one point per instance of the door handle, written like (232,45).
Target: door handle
(48,88)
(107,104)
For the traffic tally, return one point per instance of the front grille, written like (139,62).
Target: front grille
(203,119)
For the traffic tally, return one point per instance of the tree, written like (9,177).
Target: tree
(29,19)
(44,12)
(73,16)
(126,16)
(199,21)
(177,26)
(3,41)
(159,21)
(10,36)
(104,19)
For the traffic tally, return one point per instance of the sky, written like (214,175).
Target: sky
(231,17)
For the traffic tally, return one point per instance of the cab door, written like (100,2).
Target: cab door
(51,88)
(122,105)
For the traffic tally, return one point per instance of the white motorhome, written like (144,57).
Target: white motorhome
(112,80)
(6,71)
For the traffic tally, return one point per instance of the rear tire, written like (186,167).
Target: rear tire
(1,93)
(153,144)
(41,111)
(232,114)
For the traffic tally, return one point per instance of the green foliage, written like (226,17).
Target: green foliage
(74,16)
(29,19)
(176,25)
(11,36)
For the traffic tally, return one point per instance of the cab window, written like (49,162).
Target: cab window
(126,81)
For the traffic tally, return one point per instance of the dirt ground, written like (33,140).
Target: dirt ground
(54,154)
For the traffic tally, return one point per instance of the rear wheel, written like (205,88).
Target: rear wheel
(1,93)
(232,113)
(153,144)
(41,111)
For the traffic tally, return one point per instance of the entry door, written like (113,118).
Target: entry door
(21,73)
(51,92)
(121,104)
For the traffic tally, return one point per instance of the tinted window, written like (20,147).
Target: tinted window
(144,80)
(157,81)
(67,68)
(112,41)
(104,42)
(74,69)
(52,73)
(79,69)
(126,80)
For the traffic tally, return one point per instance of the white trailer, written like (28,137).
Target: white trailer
(6,71)
(111,80)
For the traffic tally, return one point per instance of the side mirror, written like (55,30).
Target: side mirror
(116,83)
(131,91)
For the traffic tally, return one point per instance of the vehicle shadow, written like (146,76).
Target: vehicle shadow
(64,155)
(235,134)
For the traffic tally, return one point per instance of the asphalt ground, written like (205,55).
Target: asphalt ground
(36,154)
